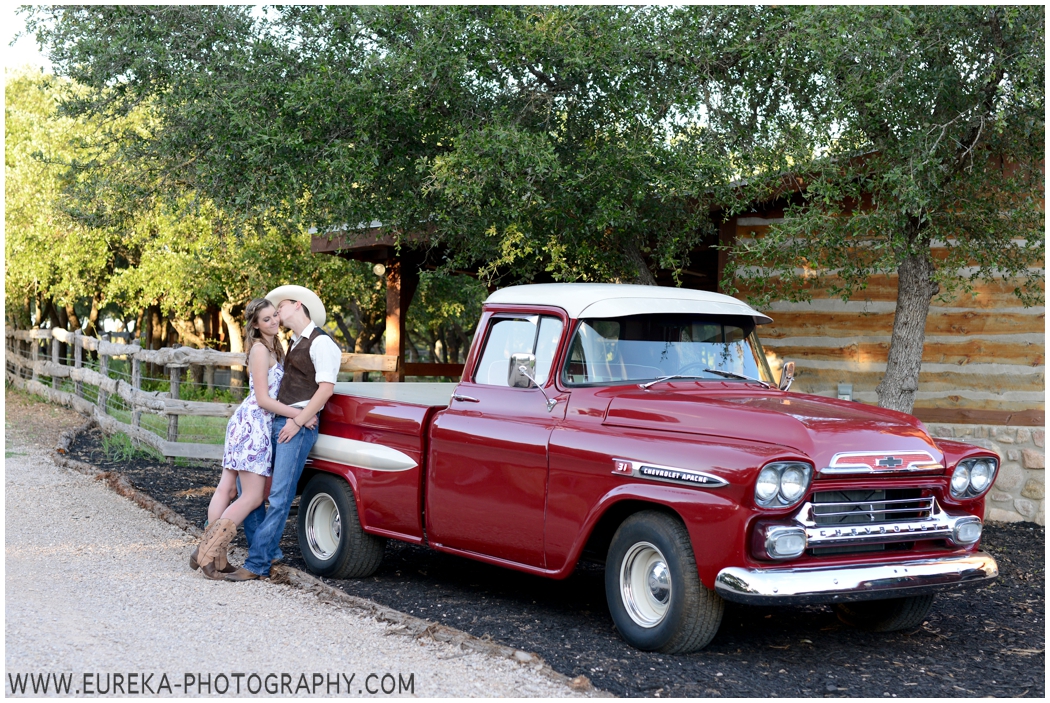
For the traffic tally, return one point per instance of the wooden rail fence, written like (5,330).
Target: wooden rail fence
(26,366)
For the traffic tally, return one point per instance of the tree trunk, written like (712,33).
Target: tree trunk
(93,318)
(140,330)
(170,332)
(63,348)
(915,290)
(156,328)
(643,275)
(71,315)
(51,310)
(340,322)
(188,334)
(236,346)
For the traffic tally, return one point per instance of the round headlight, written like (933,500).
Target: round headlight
(767,486)
(981,476)
(792,483)
(960,480)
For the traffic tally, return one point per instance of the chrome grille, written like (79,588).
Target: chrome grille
(870,506)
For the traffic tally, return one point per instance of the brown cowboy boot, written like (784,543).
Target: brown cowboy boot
(223,559)
(209,533)
(214,558)
(242,574)
(206,551)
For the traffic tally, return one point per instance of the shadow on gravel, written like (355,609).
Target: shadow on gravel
(987,642)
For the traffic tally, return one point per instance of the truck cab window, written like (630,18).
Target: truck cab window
(642,348)
(534,334)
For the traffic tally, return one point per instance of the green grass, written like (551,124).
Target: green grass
(120,447)
(193,430)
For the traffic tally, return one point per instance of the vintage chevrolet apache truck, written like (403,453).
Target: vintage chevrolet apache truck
(641,427)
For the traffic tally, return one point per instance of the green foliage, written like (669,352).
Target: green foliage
(912,128)
(86,219)
(523,141)
(47,253)
(444,314)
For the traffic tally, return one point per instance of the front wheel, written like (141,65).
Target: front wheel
(654,592)
(887,615)
(330,536)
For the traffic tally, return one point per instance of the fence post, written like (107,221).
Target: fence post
(34,356)
(55,345)
(103,368)
(209,377)
(78,362)
(175,374)
(136,383)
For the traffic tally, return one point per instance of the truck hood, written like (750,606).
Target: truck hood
(814,426)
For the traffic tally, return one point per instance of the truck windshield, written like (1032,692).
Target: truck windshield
(641,348)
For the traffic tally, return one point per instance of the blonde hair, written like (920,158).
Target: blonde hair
(252,336)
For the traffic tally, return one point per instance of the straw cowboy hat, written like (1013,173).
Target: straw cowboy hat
(305,296)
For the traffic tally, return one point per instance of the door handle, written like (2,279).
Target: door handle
(464,398)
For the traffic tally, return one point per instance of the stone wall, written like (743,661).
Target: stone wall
(1018,493)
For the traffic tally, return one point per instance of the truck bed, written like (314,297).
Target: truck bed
(373,434)
(433,395)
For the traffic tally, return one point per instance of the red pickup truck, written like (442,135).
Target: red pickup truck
(642,427)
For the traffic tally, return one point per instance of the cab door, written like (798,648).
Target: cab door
(487,463)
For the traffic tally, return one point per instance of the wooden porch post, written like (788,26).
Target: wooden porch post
(395,324)
(402,279)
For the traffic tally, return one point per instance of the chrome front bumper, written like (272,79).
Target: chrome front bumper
(780,586)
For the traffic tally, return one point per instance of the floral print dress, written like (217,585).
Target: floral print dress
(248,445)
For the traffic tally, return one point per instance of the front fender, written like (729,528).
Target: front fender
(715,521)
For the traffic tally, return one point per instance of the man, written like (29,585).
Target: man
(310,369)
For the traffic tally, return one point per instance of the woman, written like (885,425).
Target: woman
(248,453)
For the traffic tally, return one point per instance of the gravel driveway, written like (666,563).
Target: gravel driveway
(98,588)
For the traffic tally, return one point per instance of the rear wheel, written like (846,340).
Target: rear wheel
(330,536)
(886,615)
(654,592)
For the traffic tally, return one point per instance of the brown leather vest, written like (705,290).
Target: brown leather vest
(299,381)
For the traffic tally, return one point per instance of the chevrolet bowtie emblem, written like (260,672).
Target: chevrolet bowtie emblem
(889,462)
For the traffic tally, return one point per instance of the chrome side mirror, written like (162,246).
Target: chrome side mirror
(522,371)
(522,374)
(787,375)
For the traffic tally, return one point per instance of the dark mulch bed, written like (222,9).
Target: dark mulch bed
(987,642)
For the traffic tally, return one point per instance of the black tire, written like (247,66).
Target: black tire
(886,615)
(330,536)
(688,618)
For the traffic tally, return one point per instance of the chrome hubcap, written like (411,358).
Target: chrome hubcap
(645,584)
(323,526)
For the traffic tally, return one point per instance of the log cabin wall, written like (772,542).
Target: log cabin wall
(983,361)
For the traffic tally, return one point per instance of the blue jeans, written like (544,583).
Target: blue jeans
(263,527)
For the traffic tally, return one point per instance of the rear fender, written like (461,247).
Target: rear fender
(318,466)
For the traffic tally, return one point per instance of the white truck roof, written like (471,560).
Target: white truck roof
(620,299)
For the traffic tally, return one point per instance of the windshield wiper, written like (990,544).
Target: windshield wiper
(730,374)
(667,378)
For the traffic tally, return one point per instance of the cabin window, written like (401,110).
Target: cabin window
(532,334)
